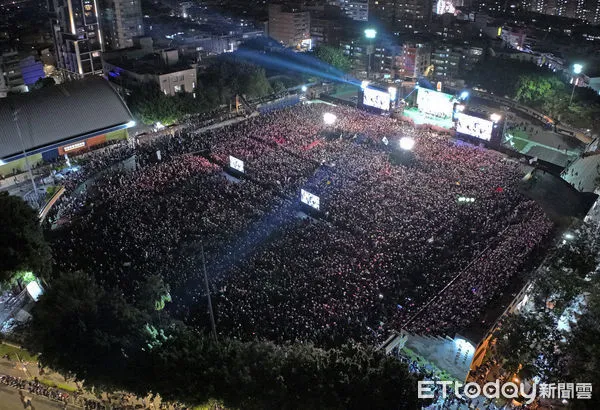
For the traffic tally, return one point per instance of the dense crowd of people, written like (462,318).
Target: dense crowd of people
(34,387)
(392,246)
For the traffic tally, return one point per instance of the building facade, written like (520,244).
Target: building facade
(446,62)
(130,67)
(77,37)
(121,22)
(289,26)
(415,59)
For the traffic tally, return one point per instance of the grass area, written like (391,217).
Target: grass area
(519,134)
(14,351)
(62,386)
(519,145)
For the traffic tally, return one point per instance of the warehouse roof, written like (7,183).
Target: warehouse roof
(54,116)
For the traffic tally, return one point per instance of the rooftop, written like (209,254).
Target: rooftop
(55,115)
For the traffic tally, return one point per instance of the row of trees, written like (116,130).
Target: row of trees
(22,245)
(532,343)
(111,341)
(539,88)
(217,86)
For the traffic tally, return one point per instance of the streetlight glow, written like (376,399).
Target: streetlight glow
(577,68)
(329,118)
(370,33)
(407,143)
(495,117)
(464,95)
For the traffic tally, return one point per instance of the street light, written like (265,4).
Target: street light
(577,69)
(370,34)
(329,118)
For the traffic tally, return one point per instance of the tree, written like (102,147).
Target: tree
(333,56)
(583,352)
(150,105)
(81,328)
(278,86)
(528,342)
(22,244)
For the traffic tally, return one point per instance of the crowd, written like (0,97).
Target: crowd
(391,237)
(34,387)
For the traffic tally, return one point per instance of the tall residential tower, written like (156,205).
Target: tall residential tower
(77,37)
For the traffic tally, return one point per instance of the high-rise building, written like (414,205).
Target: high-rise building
(77,37)
(595,15)
(416,57)
(446,62)
(412,15)
(290,26)
(382,11)
(121,22)
(356,9)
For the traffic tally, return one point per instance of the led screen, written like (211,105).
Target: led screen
(474,126)
(236,164)
(376,98)
(435,103)
(309,199)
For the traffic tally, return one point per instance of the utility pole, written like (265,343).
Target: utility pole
(210,307)
(16,120)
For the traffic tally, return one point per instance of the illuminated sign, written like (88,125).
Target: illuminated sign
(309,199)
(71,147)
(236,164)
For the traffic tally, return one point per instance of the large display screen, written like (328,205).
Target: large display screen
(435,103)
(474,126)
(376,98)
(236,164)
(309,199)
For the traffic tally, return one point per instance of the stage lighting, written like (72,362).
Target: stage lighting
(407,143)
(329,118)
(370,33)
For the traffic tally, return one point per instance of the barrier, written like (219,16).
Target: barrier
(44,211)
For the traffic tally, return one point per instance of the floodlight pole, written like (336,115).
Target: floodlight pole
(209,300)
(577,69)
(16,120)
(573,92)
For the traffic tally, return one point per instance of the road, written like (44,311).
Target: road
(13,399)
